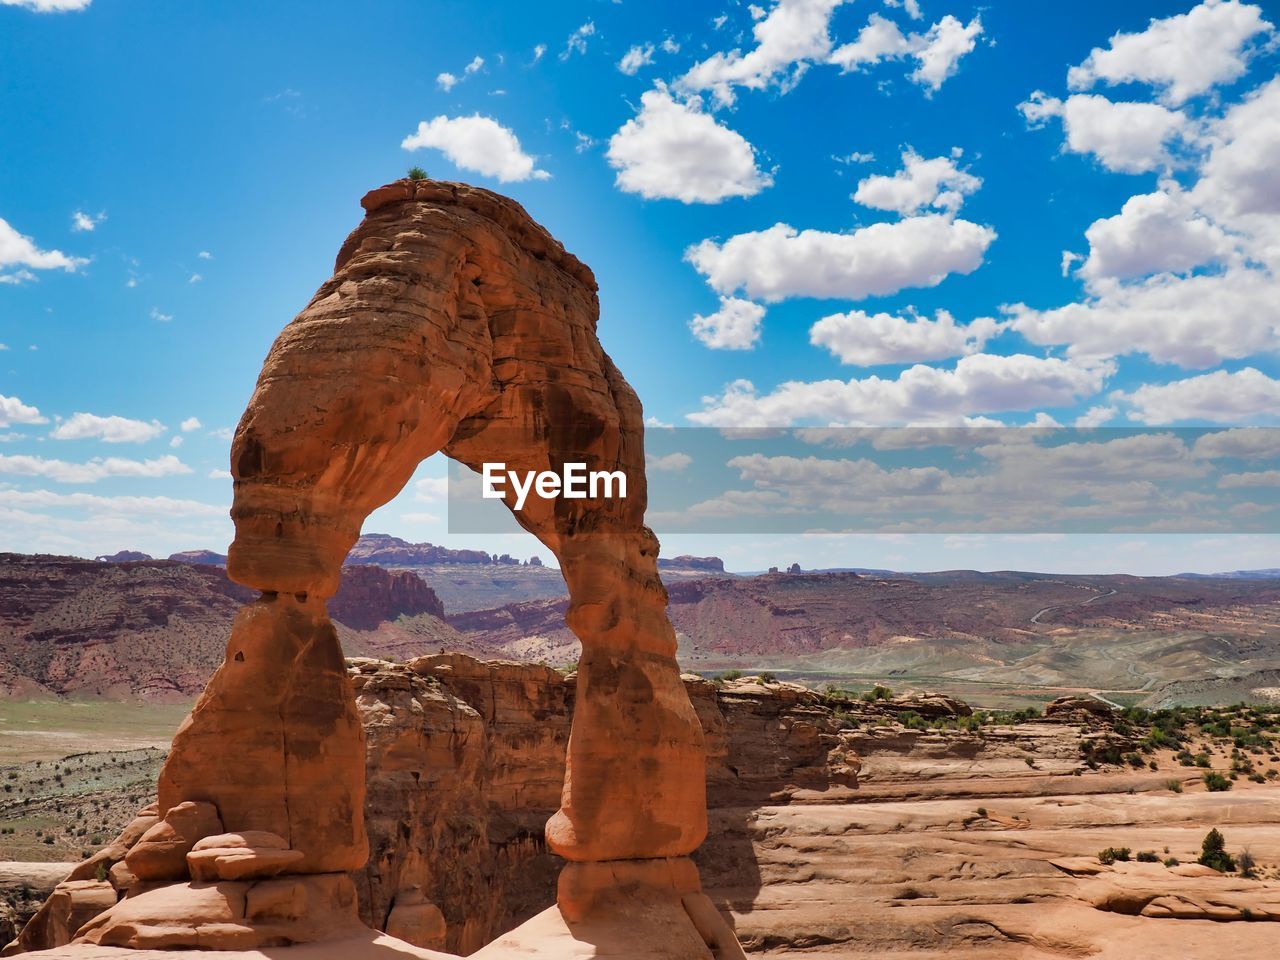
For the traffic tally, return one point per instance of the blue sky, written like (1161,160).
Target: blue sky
(1082,189)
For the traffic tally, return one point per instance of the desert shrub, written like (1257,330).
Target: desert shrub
(1134,760)
(1202,760)
(1213,852)
(981,811)
(1173,786)
(1247,864)
(1215,782)
(767,677)
(1112,854)
(416,173)
(731,675)
(913,721)
(1170,861)
(1148,856)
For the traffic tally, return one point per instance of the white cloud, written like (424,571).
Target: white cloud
(1183,55)
(937,51)
(88,426)
(160,317)
(14,411)
(1126,137)
(910,7)
(1260,478)
(668,463)
(1095,417)
(136,506)
(920,183)
(943,45)
(189,424)
(419,517)
(475,66)
(205,255)
(674,150)
(867,340)
(446,81)
(1154,233)
(86,222)
(1195,321)
(735,326)
(1146,287)
(175,442)
(1219,397)
(877,260)
(97,469)
(638,56)
(577,42)
(431,488)
(48,6)
(220,475)
(21,252)
(981,383)
(793,35)
(539,52)
(479,144)
(669,45)
(195,278)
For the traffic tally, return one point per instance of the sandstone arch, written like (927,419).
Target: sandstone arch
(452,322)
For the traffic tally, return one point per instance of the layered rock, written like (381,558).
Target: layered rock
(452,322)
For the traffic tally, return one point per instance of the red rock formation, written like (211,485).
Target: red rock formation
(370,595)
(453,322)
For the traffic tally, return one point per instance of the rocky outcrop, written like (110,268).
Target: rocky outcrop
(123,556)
(204,558)
(452,323)
(465,760)
(388,551)
(1072,708)
(371,595)
(686,562)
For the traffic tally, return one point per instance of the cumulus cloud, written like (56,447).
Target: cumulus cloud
(1154,233)
(1259,478)
(13,411)
(88,426)
(793,35)
(667,463)
(136,506)
(189,424)
(479,144)
(981,383)
(1183,55)
(920,183)
(1195,321)
(735,326)
(937,51)
(19,255)
(673,150)
(1186,276)
(1125,137)
(430,489)
(1220,397)
(877,260)
(446,81)
(94,470)
(866,339)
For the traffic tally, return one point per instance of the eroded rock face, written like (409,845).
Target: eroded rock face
(452,322)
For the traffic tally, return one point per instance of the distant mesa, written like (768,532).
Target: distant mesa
(388,551)
(685,562)
(206,558)
(124,556)
(370,595)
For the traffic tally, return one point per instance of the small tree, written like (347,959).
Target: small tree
(1213,852)
(1215,782)
(1248,865)
(416,173)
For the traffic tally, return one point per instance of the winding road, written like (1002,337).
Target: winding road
(1082,603)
